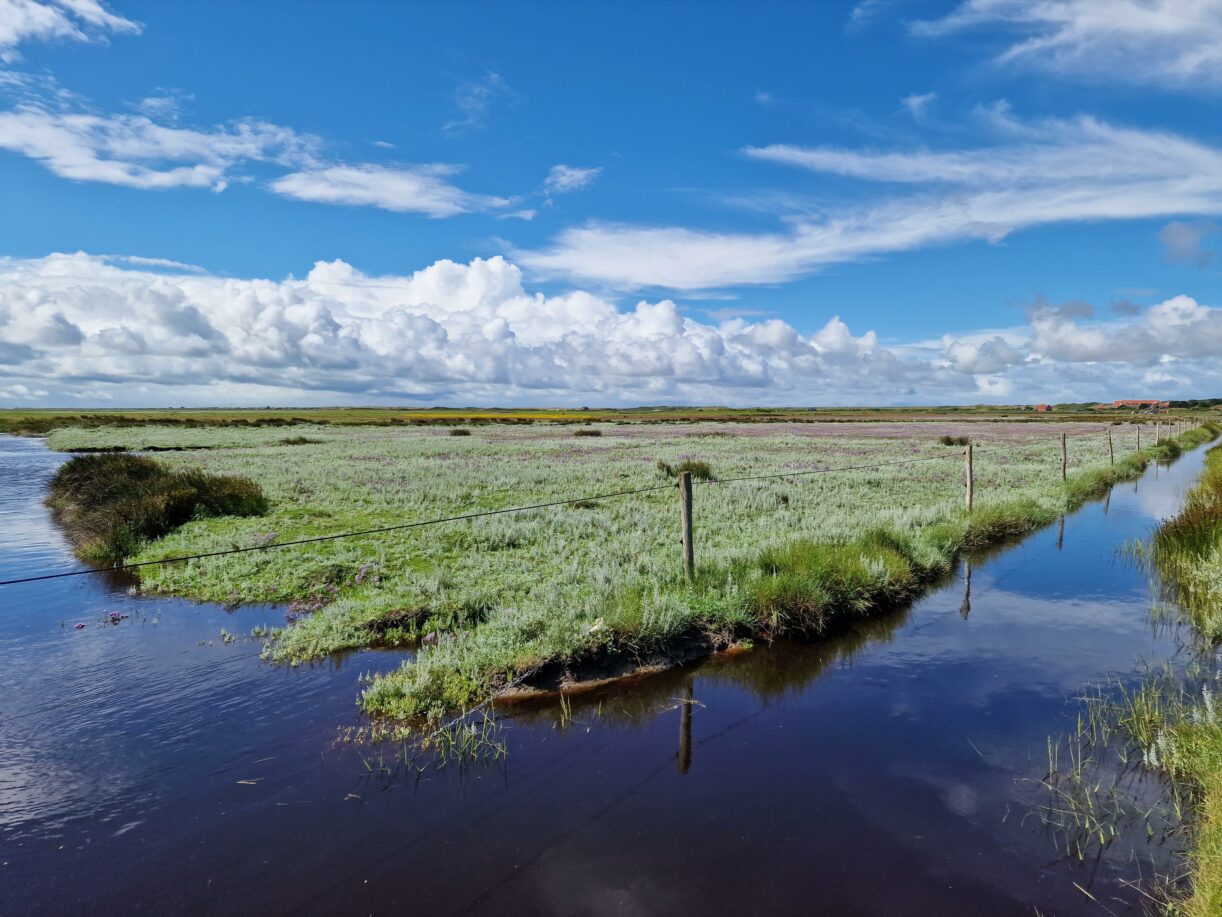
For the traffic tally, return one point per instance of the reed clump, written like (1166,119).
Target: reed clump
(112,503)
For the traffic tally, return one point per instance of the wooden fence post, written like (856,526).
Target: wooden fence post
(1064,458)
(967,457)
(1138,438)
(1111,452)
(685,518)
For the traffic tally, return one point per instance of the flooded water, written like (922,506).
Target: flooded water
(148,767)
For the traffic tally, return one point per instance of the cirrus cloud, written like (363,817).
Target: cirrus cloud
(1175,43)
(1034,173)
(404,189)
(56,20)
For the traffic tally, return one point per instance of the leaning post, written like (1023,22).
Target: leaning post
(967,458)
(1064,457)
(685,518)
(1138,438)
(1111,452)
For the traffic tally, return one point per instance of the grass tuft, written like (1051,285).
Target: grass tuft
(699,470)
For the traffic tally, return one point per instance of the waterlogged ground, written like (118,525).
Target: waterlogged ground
(146,766)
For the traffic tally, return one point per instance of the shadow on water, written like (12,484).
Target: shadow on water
(149,768)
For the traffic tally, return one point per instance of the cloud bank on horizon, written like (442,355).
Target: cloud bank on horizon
(83,328)
(600,303)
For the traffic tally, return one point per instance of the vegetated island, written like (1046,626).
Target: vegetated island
(555,596)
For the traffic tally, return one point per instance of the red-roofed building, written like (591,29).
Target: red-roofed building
(1043,408)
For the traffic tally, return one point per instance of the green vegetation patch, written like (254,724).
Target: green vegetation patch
(112,503)
(1187,550)
(804,585)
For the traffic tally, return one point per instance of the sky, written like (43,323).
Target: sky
(548,204)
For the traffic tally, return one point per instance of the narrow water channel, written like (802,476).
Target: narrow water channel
(149,767)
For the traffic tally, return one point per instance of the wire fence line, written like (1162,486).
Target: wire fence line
(685,480)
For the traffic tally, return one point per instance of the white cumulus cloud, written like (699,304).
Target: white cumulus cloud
(141,330)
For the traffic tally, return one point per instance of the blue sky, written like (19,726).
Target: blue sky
(548,203)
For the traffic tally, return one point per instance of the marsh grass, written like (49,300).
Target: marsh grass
(587,432)
(1187,551)
(111,504)
(1145,762)
(797,586)
(559,590)
(954,440)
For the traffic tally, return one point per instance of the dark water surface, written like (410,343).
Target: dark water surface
(146,767)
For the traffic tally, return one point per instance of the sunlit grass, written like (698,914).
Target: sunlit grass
(502,595)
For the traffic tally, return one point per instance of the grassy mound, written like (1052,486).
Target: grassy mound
(112,503)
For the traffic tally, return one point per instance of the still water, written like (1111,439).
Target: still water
(149,767)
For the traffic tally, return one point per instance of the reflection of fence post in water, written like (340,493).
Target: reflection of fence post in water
(1061,533)
(685,730)
(966,608)
(1107,500)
